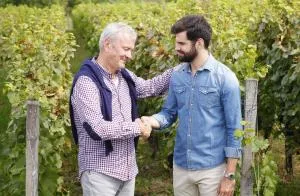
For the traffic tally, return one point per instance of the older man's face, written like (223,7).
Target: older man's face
(121,50)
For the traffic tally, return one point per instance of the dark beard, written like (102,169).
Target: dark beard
(189,56)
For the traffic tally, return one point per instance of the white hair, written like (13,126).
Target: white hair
(113,30)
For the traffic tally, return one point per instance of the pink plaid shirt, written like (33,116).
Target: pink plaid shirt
(121,162)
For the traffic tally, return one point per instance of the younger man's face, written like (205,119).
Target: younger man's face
(185,49)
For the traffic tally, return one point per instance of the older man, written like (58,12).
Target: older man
(103,109)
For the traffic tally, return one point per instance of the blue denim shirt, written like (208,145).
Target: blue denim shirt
(209,110)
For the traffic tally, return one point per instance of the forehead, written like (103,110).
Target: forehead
(125,40)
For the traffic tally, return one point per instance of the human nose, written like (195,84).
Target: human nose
(129,54)
(177,47)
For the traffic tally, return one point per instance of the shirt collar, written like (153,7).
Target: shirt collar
(103,70)
(208,65)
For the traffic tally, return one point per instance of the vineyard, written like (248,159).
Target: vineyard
(42,44)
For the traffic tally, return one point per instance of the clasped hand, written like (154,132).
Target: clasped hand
(145,128)
(146,124)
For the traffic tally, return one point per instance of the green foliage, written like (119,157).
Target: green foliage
(154,174)
(36,51)
(4,104)
(288,188)
(251,37)
(278,45)
(37,3)
(154,49)
(233,41)
(73,3)
(236,28)
(264,167)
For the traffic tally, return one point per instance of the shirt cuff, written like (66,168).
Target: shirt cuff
(131,127)
(233,152)
(161,120)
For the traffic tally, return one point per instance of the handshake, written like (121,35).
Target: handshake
(147,123)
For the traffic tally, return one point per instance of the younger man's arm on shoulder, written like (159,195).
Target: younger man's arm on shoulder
(155,86)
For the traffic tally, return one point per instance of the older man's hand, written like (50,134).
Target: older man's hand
(145,128)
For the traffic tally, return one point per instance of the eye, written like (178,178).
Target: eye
(181,43)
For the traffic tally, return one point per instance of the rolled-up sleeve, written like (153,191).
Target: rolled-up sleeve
(168,114)
(232,110)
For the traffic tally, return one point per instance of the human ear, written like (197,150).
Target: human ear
(107,43)
(199,43)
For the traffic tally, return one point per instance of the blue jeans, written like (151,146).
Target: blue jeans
(97,184)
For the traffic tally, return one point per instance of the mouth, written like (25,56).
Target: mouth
(179,53)
(123,59)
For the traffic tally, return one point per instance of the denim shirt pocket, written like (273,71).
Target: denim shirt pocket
(180,92)
(208,97)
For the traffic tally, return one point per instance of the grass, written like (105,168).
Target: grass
(80,55)
(291,188)
(154,179)
(70,168)
(286,186)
